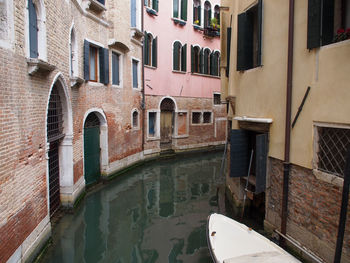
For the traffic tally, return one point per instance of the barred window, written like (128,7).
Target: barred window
(217,99)
(207,117)
(333,144)
(196,117)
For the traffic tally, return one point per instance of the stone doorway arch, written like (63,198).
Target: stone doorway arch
(167,110)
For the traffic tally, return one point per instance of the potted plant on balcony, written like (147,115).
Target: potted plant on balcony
(214,28)
(196,25)
(342,34)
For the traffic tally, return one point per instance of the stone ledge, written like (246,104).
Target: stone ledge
(328,178)
(36,65)
(76,82)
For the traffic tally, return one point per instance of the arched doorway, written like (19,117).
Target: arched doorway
(167,108)
(92,168)
(54,136)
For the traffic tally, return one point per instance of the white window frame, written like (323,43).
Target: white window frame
(211,117)
(137,127)
(157,125)
(121,67)
(138,74)
(97,45)
(73,63)
(200,118)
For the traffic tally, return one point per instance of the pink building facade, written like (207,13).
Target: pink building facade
(181,75)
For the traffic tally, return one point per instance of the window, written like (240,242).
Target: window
(135,74)
(215,63)
(179,56)
(135,119)
(206,61)
(207,14)
(196,59)
(332,144)
(197,12)
(115,68)
(133,10)
(152,4)
(217,14)
(152,124)
(73,54)
(217,99)
(150,50)
(96,63)
(249,38)
(180,9)
(207,117)
(196,117)
(33,30)
(327,22)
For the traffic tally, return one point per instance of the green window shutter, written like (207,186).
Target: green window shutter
(327,22)
(201,61)
(241,36)
(184,58)
(154,52)
(155,5)
(192,59)
(314,24)
(86,60)
(212,68)
(145,49)
(176,8)
(104,65)
(199,14)
(176,54)
(205,64)
(184,10)
(33,30)
(260,14)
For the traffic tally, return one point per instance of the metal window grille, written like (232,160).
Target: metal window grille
(207,117)
(333,144)
(54,178)
(196,117)
(135,119)
(167,105)
(92,121)
(54,117)
(217,99)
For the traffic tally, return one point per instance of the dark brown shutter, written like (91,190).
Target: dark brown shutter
(240,153)
(327,22)
(260,14)
(86,60)
(192,59)
(314,24)
(241,36)
(260,162)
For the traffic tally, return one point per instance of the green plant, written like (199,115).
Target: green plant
(214,23)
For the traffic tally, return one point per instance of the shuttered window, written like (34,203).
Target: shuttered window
(135,83)
(176,8)
(184,10)
(184,58)
(33,30)
(115,69)
(176,55)
(249,38)
(207,14)
(155,5)
(150,47)
(154,52)
(197,12)
(180,9)
(104,65)
(93,63)
(206,62)
(195,59)
(96,63)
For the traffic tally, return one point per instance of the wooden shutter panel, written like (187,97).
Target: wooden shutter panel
(327,22)
(260,14)
(241,36)
(176,8)
(199,15)
(192,59)
(209,17)
(201,62)
(314,24)
(115,69)
(86,60)
(228,41)
(205,64)
(33,30)
(176,62)
(154,52)
(145,49)
(184,58)
(104,65)
(155,5)
(240,153)
(260,162)
(184,10)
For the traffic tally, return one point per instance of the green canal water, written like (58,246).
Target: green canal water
(154,213)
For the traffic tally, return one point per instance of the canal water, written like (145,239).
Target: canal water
(154,213)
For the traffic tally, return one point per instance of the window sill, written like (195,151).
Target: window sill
(36,65)
(96,6)
(205,75)
(179,21)
(179,72)
(136,89)
(336,44)
(153,138)
(96,84)
(76,82)
(151,11)
(117,86)
(136,34)
(181,136)
(197,27)
(328,178)
(150,67)
(250,69)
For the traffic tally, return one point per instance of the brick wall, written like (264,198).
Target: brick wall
(313,210)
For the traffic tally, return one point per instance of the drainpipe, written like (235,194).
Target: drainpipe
(143,103)
(286,163)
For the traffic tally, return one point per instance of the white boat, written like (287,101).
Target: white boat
(230,241)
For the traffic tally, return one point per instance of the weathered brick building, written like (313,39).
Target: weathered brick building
(294,123)
(70,108)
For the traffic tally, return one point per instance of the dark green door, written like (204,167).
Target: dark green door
(91,150)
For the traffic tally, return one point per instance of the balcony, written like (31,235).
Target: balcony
(211,32)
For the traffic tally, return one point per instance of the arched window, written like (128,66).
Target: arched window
(36,30)
(135,119)
(150,50)
(197,12)
(196,60)
(215,63)
(206,61)
(179,56)
(207,14)
(217,14)
(73,54)
(180,9)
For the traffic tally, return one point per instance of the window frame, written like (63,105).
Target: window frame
(200,117)
(211,117)
(214,101)
(181,12)
(96,62)
(137,126)
(199,10)
(121,59)
(156,135)
(138,74)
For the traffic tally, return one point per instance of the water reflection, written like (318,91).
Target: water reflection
(156,213)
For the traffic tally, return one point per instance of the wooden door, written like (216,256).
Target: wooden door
(166,126)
